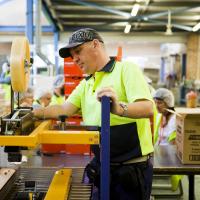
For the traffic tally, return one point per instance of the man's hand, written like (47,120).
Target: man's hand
(109,92)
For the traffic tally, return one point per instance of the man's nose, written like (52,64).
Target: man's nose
(75,58)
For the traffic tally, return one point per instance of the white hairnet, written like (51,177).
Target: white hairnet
(165,95)
(5,67)
(59,81)
(41,92)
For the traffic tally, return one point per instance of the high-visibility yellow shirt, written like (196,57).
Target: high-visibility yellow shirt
(57,100)
(128,82)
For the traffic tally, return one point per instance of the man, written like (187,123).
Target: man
(131,140)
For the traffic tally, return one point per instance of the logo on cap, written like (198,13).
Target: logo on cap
(81,36)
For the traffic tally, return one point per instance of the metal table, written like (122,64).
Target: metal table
(165,161)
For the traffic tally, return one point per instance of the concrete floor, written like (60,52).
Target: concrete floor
(185,190)
(63,160)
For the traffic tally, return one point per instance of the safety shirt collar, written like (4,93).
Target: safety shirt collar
(107,68)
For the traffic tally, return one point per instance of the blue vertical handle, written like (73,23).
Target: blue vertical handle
(105,149)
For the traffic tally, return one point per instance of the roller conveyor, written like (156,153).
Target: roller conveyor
(36,181)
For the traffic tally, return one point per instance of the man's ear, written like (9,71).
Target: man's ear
(95,43)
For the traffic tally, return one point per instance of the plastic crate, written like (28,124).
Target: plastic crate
(71,83)
(71,69)
(53,148)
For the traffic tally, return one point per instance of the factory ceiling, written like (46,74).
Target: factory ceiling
(167,16)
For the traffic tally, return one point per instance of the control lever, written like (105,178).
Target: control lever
(62,124)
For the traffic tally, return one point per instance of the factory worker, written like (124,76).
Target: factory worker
(5,80)
(58,92)
(25,98)
(42,97)
(131,138)
(165,128)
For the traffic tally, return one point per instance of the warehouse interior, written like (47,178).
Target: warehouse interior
(161,37)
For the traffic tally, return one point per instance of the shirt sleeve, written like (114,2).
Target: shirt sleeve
(135,84)
(77,94)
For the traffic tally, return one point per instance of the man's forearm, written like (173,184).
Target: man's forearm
(54,111)
(139,109)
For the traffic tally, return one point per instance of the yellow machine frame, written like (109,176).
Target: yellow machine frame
(42,135)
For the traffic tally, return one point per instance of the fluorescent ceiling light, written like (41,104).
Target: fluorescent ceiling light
(196,27)
(127,28)
(135,9)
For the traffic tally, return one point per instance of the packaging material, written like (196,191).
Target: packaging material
(188,135)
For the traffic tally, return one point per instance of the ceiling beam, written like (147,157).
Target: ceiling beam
(57,26)
(102,8)
(179,26)
(160,14)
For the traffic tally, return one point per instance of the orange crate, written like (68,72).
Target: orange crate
(74,120)
(71,69)
(77,149)
(53,148)
(70,84)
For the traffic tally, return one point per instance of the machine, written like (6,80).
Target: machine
(19,130)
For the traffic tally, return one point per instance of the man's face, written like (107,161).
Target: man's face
(84,56)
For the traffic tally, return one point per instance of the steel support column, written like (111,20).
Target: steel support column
(56,40)
(29,21)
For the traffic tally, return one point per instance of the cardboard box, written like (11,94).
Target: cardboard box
(188,135)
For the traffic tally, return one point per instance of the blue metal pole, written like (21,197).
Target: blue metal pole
(105,149)
(29,20)
(162,70)
(29,27)
(56,39)
(25,29)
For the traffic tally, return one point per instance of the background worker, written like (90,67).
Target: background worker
(5,80)
(43,98)
(165,128)
(131,140)
(25,98)
(58,92)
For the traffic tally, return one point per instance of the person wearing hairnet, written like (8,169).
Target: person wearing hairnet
(43,98)
(165,128)
(58,93)
(25,98)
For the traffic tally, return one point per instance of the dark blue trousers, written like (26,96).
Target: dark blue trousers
(128,182)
